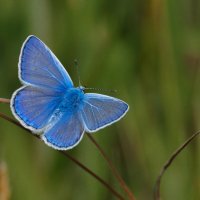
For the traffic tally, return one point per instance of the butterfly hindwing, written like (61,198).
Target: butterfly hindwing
(34,106)
(66,133)
(101,110)
(38,66)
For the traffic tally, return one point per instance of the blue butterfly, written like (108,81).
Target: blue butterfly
(49,105)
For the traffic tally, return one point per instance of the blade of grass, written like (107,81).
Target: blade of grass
(5,193)
(169,162)
(113,169)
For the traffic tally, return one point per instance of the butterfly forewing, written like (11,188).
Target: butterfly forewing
(101,110)
(40,67)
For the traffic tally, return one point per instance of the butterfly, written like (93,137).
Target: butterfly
(49,105)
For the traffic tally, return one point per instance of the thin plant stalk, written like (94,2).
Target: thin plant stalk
(169,162)
(86,169)
(3,100)
(93,174)
(113,169)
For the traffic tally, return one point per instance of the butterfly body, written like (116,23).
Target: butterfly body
(48,103)
(72,100)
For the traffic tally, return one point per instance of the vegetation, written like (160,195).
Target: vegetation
(149,51)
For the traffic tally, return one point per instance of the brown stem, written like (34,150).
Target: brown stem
(3,100)
(113,169)
(114,192)
(11,120)
(169,162)
(93,174)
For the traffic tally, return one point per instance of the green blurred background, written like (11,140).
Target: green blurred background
(150,52)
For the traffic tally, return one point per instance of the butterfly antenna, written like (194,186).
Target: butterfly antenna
(78,72)
(100,89)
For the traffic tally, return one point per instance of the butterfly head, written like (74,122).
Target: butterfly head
(82,88)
